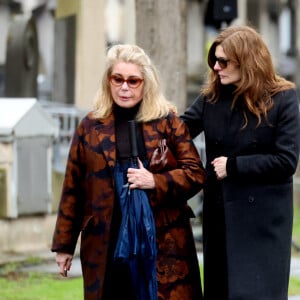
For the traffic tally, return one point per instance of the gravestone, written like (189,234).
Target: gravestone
(22,59)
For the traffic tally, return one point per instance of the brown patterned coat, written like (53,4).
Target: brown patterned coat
(88,199)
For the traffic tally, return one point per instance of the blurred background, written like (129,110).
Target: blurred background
(51,61)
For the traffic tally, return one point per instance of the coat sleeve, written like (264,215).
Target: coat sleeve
(192,117)
(177,186)
(282,161)
(68,223)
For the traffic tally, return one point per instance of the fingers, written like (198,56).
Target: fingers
(63,270)
(64,262)
(131,176)
(140,178)
(141,166)
(219,165)
(134,175)
(134,180)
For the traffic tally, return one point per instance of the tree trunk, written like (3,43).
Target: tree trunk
(161,31)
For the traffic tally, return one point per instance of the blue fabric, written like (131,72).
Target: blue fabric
(136,243)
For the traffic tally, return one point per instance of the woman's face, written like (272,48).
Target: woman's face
(126,84)
(228,71)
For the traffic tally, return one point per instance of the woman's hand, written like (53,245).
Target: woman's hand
(219,165)
(64,262)
(140,178)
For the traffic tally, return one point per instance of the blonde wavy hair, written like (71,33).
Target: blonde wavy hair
(154,105)
(259,81)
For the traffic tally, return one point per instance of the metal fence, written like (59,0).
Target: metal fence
(67,118)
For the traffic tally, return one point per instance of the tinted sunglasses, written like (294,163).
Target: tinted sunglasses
(132,81)
(222,62)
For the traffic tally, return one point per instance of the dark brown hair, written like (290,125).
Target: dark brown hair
(259,81)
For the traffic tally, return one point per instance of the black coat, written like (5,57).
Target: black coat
(248,216)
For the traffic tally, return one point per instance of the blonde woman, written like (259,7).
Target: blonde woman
(90,201)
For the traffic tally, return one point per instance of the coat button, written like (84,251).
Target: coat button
(251,199)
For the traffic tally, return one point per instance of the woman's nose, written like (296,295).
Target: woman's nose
(124,86)
(217,66)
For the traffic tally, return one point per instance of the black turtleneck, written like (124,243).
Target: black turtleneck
(122,116)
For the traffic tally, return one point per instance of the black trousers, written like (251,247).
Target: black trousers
(118,284)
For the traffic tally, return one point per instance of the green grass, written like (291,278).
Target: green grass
(35,286)
(296,226)
(294,286)
(16,285)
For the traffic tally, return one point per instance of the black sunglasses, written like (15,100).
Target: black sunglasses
(223,62)
(132,81)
